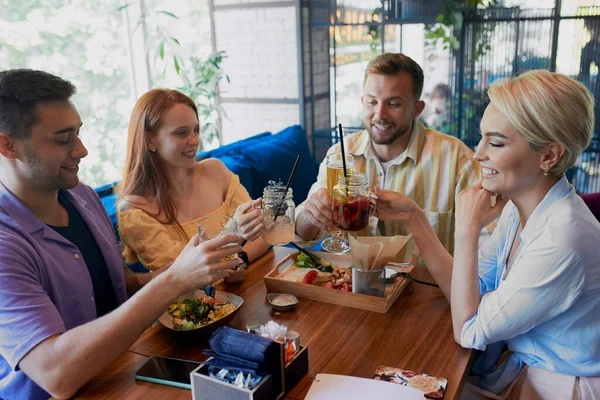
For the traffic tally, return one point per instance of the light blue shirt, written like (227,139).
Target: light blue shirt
(546,306)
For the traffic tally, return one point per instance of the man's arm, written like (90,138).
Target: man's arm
(88,349)
(134,281)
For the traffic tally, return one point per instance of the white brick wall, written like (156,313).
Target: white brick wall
(246,119)
(262,52)
(262,63)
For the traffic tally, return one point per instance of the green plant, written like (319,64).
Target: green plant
(81,41)
(374,30)
(449,24)
(200,76)
(201,83)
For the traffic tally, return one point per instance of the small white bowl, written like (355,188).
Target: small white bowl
(282,301)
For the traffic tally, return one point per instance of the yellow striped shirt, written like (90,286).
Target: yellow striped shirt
(432,171)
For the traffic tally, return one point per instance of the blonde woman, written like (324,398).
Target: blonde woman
(530,295)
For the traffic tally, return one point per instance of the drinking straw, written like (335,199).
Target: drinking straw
(287,187)
(343,151)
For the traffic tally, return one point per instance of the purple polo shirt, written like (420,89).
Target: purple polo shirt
(45,286)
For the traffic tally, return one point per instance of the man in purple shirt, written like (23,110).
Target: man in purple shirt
(64,312)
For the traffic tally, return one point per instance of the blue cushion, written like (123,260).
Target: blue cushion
(238,165)
(268,157)
(272,158)
(231,148)
(109,201)
(106,190)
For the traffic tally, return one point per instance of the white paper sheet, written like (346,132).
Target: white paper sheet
(342,387)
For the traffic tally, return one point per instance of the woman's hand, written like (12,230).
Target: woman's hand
(474,209)
(237,276)
(393,206)
(250,219)
(199,264)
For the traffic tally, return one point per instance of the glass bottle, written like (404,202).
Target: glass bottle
(281,230)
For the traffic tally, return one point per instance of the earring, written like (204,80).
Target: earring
(153,150)
(545,171)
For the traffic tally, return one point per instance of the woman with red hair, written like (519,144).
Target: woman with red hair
(165,191)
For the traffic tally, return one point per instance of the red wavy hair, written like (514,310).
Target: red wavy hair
(144,174)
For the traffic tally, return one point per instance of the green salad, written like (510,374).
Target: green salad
(305,261)
(191,313)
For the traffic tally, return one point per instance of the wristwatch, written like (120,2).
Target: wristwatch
(245,260)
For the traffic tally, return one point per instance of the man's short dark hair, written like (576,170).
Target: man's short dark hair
(390,64)
(21,90)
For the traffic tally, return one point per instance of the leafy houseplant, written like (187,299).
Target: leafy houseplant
(201,83)
(449,24)
(200,75)
(374,30)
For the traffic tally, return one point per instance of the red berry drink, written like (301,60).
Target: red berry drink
(351,214)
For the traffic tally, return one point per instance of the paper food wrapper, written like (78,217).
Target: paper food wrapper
(373,252)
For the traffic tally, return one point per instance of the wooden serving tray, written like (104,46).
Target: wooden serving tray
(276,284)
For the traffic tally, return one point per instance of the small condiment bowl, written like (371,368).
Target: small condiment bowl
(282,301)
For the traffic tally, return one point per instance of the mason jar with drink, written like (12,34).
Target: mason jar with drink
(279,212)
(351,202)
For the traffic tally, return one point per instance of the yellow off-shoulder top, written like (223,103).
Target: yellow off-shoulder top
(156,244)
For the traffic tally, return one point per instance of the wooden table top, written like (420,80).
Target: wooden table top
(415,334)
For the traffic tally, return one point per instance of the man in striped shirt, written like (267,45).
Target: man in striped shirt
(397,153)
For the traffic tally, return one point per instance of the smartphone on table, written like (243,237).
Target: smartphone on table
(167,371)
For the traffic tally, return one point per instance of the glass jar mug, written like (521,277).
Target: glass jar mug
(278,231)
(350,202)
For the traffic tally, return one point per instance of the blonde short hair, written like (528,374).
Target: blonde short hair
(546,107)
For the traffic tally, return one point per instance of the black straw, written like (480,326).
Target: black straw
(287,188)
(308,253)
(343,151)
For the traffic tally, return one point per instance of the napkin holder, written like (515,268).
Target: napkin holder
(206,388)
(280,380)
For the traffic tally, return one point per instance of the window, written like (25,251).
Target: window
(111,54)
(83,43)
